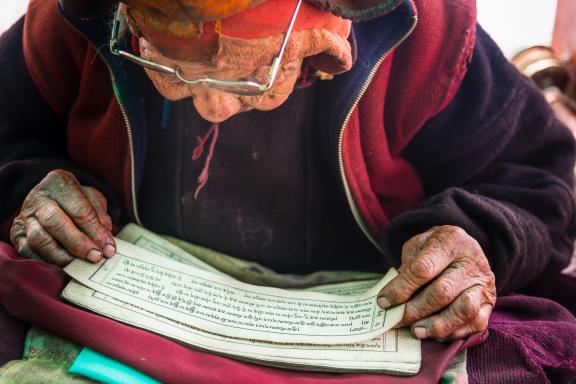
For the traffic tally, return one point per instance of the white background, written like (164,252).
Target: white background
(514,24)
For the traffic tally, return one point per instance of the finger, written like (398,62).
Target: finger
(17,230)
(459,314)
(438,295)
(25,250)
(480,323)
(44,245)
(18,239)
(66,190)
(58,225)
(100,204)
(414,245)
(430,261)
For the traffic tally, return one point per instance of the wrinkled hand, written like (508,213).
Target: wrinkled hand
(447,285)
(61,220)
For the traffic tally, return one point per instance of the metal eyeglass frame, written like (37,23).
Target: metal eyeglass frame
(239,87)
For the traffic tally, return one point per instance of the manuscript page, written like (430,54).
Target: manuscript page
(224,306)
(395,351)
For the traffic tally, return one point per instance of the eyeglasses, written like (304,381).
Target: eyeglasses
(238,87)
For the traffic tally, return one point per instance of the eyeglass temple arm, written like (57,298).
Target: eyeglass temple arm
(115,30)
(278,59)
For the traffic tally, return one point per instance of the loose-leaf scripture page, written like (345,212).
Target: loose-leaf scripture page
(228,307)
(131,288)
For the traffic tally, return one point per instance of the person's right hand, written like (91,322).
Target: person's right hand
(61,220)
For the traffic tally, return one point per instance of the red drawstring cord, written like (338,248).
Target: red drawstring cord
(214,131)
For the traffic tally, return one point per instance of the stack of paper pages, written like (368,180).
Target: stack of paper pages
(154,285)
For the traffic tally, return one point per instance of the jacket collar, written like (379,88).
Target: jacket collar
(374,41)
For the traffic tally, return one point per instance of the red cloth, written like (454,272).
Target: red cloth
(30,290)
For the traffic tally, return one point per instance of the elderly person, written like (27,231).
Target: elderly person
(305,136)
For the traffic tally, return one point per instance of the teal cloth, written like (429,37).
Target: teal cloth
(98,367)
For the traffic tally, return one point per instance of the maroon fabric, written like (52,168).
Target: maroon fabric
(30,290)
(532,340)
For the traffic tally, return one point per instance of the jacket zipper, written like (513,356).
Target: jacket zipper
(351,203)
(130,146)
(135,214)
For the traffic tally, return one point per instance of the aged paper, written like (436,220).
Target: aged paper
(221,305)
(143,238)
(396,351)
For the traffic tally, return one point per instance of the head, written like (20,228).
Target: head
(236,40)
(240,47)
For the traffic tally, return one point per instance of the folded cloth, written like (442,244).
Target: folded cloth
(30,291)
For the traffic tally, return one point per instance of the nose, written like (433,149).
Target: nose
(215,106)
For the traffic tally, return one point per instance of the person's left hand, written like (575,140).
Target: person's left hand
(447,285)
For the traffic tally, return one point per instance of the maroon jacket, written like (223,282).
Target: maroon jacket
(432,126)
(75,83)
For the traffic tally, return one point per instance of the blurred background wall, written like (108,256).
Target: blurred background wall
(514,24)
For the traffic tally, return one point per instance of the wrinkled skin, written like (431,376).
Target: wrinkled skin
(447,285)
(61,220)
(213,105)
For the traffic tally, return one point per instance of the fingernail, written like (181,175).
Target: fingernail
(109,250)
(383,302)
(420,332)
(94,255)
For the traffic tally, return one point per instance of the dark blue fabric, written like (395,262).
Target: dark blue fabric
(497,163)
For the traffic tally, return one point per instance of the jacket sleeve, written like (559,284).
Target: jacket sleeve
(497,163)
(32,136)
